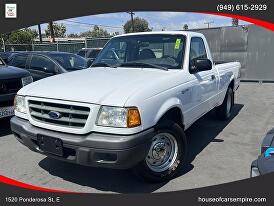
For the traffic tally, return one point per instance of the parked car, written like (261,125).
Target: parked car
(11,80)
(48,63)
(89,53)
(265,162)
(5,55)
(132,108)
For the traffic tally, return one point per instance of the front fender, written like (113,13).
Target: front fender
(171,103)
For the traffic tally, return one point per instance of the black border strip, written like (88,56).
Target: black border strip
(33,12)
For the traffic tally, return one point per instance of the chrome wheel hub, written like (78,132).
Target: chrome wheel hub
(159,151)
(162,153)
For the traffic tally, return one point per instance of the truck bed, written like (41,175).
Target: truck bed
(220,62)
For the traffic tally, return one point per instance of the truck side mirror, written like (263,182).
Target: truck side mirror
(200,64)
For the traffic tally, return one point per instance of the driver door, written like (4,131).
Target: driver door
(204,82)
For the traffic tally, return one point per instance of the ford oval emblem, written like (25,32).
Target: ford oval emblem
(54,115)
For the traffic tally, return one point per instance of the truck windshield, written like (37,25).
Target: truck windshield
(149,50)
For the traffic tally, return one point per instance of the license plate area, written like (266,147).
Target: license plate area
(6,111)
(50,145)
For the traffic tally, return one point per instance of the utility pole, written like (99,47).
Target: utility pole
(40,33)
(51,31)
(4,47)
(208,23)
(132,22)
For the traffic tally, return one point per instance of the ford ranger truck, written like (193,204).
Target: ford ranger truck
(132,107)
(11,80)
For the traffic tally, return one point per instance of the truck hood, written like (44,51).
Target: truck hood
(9,72)
(105,86)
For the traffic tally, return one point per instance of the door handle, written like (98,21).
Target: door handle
(213,77)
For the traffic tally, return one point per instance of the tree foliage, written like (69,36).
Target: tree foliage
(58,29)
(115,33)
(22,36)
(73,35)
(96,32)
(140,25)
(235,22)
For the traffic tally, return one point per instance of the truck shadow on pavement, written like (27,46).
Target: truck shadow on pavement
(205,131)
(200,134)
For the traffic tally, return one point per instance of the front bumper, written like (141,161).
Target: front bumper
(94,149)
(262,165)
(254,171)
(6,100)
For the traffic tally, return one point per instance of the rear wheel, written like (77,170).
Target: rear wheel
(224,110)
(167,153)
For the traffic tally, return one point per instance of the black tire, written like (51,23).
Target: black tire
(224,110)
(147,174)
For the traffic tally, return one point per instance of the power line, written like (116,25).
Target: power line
(85,23)
(208,23)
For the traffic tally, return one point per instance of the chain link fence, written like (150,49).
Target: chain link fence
(71,46)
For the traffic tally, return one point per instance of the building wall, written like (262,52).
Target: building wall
(260,54)
(251,45)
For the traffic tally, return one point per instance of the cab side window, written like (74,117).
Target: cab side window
(197,48)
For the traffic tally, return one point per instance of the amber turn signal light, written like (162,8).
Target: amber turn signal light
(133,117)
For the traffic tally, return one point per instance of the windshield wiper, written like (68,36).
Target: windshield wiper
(125,64)
(101,64)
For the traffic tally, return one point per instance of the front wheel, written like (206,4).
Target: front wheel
(224,110)
(167,153)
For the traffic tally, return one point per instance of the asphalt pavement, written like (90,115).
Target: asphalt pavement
(220,152)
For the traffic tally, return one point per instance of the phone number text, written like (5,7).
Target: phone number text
(242,7)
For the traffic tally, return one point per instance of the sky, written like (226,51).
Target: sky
(114,22)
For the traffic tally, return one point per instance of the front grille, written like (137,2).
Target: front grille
(10,86)
(71,116)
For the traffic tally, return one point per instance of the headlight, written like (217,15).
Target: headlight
(19,104)
(254,172)
(26,80)
(118,117)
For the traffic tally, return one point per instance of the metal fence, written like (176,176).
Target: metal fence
(251,45)
(59,46)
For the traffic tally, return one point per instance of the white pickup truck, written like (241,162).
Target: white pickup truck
(131,108)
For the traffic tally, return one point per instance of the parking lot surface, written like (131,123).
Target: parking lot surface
(220,152)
